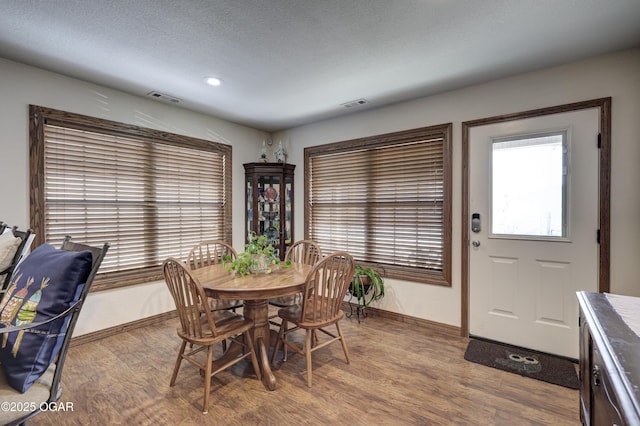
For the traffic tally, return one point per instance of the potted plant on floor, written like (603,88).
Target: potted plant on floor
(367,286)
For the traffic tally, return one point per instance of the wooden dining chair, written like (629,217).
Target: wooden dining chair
(202,328)
(208,253)
(325,289)
(302,251)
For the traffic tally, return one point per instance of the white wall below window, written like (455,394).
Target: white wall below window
(616,75)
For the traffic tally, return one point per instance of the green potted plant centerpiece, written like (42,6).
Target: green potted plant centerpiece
(367,285)
(258,256)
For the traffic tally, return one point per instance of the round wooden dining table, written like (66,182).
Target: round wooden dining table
(255,290)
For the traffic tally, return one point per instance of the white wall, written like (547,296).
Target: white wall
(21,85)
(616,75)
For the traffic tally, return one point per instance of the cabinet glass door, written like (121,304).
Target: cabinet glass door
(288,207)
(249,202)
(269,189)
(269,203)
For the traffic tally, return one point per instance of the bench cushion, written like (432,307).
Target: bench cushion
(21,404)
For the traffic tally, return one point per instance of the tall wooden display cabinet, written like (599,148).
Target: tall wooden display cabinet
(269,203)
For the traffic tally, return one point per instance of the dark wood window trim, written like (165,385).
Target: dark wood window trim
(176,191)
(386,199)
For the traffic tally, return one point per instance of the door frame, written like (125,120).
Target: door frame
(604,189)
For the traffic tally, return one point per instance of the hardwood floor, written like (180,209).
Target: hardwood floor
(400,374)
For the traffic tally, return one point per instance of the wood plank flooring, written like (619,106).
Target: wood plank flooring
(400,374)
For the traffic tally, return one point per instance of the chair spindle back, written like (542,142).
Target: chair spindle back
(326,287)
(190,300)
(304,251)
(209,253)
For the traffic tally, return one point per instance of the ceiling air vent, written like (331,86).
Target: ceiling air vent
(357,102)
(162,97)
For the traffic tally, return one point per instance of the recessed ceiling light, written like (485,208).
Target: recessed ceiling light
(213,81)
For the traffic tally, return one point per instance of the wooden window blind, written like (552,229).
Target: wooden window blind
(150,194)
(386,200)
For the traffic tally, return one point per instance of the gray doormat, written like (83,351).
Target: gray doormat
(525,362)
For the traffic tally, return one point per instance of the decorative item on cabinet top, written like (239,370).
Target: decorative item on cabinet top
(281,155)
(263,153)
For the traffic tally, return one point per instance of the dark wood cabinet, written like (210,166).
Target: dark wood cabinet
(269,203)
(609,359)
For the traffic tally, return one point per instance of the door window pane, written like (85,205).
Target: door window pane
(529,186)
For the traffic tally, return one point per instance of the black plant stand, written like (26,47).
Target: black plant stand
(360,309)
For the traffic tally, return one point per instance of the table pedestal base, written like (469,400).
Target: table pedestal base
(258,311)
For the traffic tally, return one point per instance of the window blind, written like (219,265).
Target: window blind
(151,195)
(385,200)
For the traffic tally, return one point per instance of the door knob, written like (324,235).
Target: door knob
(475,243)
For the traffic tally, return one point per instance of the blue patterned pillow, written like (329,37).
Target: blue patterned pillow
(45,284)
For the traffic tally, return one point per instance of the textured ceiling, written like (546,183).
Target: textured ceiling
(288,62)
